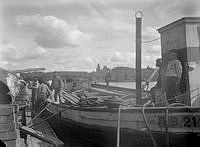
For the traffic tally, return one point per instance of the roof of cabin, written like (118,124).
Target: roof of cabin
(183,20)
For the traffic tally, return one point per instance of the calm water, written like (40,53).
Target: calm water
(131,85)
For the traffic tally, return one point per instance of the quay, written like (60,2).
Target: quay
(14,134)
(14,128)
(35,130)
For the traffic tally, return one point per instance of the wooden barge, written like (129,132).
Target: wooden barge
(138,125)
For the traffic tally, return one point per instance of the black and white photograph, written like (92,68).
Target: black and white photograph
(99,73)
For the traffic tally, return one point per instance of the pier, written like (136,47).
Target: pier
(36,131)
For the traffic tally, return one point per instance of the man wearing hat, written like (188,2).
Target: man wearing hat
(158,83)
(173,77)
(57,86)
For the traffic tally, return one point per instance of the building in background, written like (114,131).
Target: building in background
(120,74)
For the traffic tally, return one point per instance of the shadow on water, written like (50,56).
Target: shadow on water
(71,141)
(69,136)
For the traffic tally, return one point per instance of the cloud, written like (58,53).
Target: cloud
(117,57)
(70,63)
(149,33)
(174,9)
(10,53)
(51,32)
(109,27)
(128,58)
(154,50)
(120,57)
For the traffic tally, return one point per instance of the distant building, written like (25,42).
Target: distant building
(129,74)
(122,74)
(100,73)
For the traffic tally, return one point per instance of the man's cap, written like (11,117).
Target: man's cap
(158,60)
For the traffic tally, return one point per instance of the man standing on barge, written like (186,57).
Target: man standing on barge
(158,83)
(57,86)
(173,77)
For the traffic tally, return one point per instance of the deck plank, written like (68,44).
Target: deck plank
(46,130)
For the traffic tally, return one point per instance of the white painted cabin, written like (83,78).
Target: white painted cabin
(183,37)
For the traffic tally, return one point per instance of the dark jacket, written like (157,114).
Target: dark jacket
(5,98)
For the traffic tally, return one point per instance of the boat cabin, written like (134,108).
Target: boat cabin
(183,37)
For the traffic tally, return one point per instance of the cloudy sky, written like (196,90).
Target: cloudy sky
(79,34)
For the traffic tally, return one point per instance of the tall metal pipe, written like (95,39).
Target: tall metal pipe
(138,16)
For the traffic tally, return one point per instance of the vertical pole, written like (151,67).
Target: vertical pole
(24,135)
(138,16)
(33,101)
(118,126)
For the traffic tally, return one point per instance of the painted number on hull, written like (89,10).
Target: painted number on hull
(180,121)
(191,121)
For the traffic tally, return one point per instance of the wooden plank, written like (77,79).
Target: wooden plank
(44,127)
(11,143)
(71,97)
(106,91)
(7,127)
(8,135)
(75,96)
(100,86)
(6,118)
(6,110)
(41,136)
(68,99)
(8,106)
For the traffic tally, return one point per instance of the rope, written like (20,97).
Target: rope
(38,115)
(149,41)
(47,118)
(195,89)
(33,125)
(166,126)
(174,98)
(147,124)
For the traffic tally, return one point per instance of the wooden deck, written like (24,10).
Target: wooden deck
(9,133)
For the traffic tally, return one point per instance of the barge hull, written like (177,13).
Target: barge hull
(77,134)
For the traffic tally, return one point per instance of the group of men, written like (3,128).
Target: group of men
(172,76)
(41,91)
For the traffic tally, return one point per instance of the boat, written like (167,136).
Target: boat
(141,124)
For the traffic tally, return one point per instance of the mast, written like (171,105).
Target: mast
(138,16)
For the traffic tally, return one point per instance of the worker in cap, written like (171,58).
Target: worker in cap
(158,82)
(173,77)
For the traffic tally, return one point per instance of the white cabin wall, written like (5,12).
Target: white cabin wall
(183,36)
(192,40)
(193,55)
(194,81)
(192,35)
